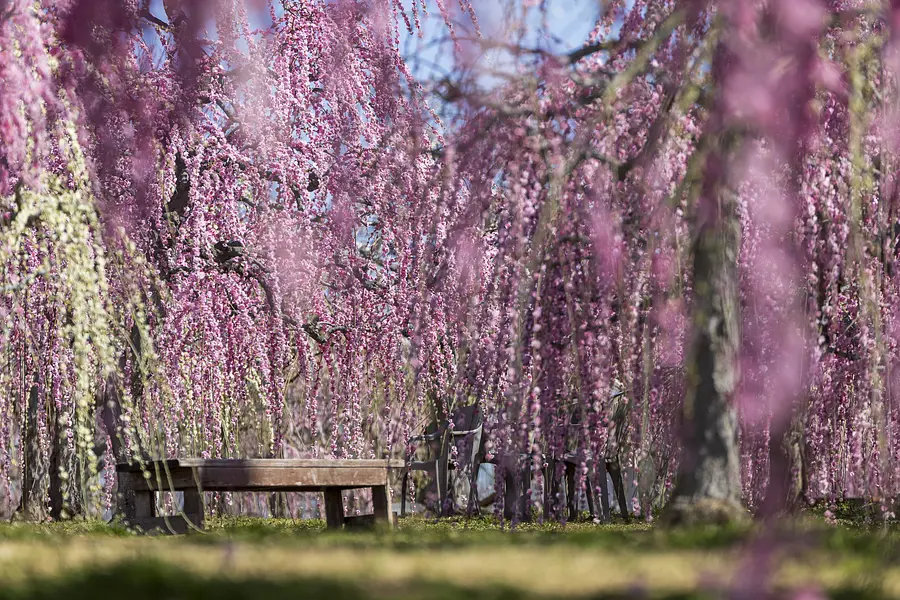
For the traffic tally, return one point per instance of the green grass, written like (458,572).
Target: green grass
(453,559)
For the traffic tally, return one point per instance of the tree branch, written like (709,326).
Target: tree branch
(146,14)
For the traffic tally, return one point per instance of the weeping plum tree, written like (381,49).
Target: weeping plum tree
(262,229)
(778,112)
(228,189)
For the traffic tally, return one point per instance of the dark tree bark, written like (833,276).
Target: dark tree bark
(64,493)
(31,505)
(614,468)
(57,439)
(786,490)
(615,443)
(111,414)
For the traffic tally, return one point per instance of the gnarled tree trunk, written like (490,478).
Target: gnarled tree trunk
(708,488)
(31,505)
(110,404)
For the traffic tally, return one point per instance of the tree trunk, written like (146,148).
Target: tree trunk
(708,486)
(57,449)
(64,488)
(614,468)
(31,505)
(786,490)
(111,415)
(614,444)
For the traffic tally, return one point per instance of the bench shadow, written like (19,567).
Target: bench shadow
(152,579)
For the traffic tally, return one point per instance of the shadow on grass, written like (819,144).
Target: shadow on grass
(416,534)
(147,580)
(423,534)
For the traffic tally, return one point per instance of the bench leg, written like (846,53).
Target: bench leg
(193,507)
(144,504)
(442,474)
(381,503)
(334,509)
(404,492)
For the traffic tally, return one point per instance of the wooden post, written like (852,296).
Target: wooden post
(381,504)
(510,492)
(615,471)
(442,473)
(604,491)
(551,488)
(525,504)
(589,490)
(571,490)
(404,492)
(334,509)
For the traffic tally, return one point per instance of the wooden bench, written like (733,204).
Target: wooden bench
(193,476)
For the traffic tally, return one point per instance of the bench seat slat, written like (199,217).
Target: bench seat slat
(269,463)
(217,478)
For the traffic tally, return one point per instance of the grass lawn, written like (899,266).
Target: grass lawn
(474,559)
